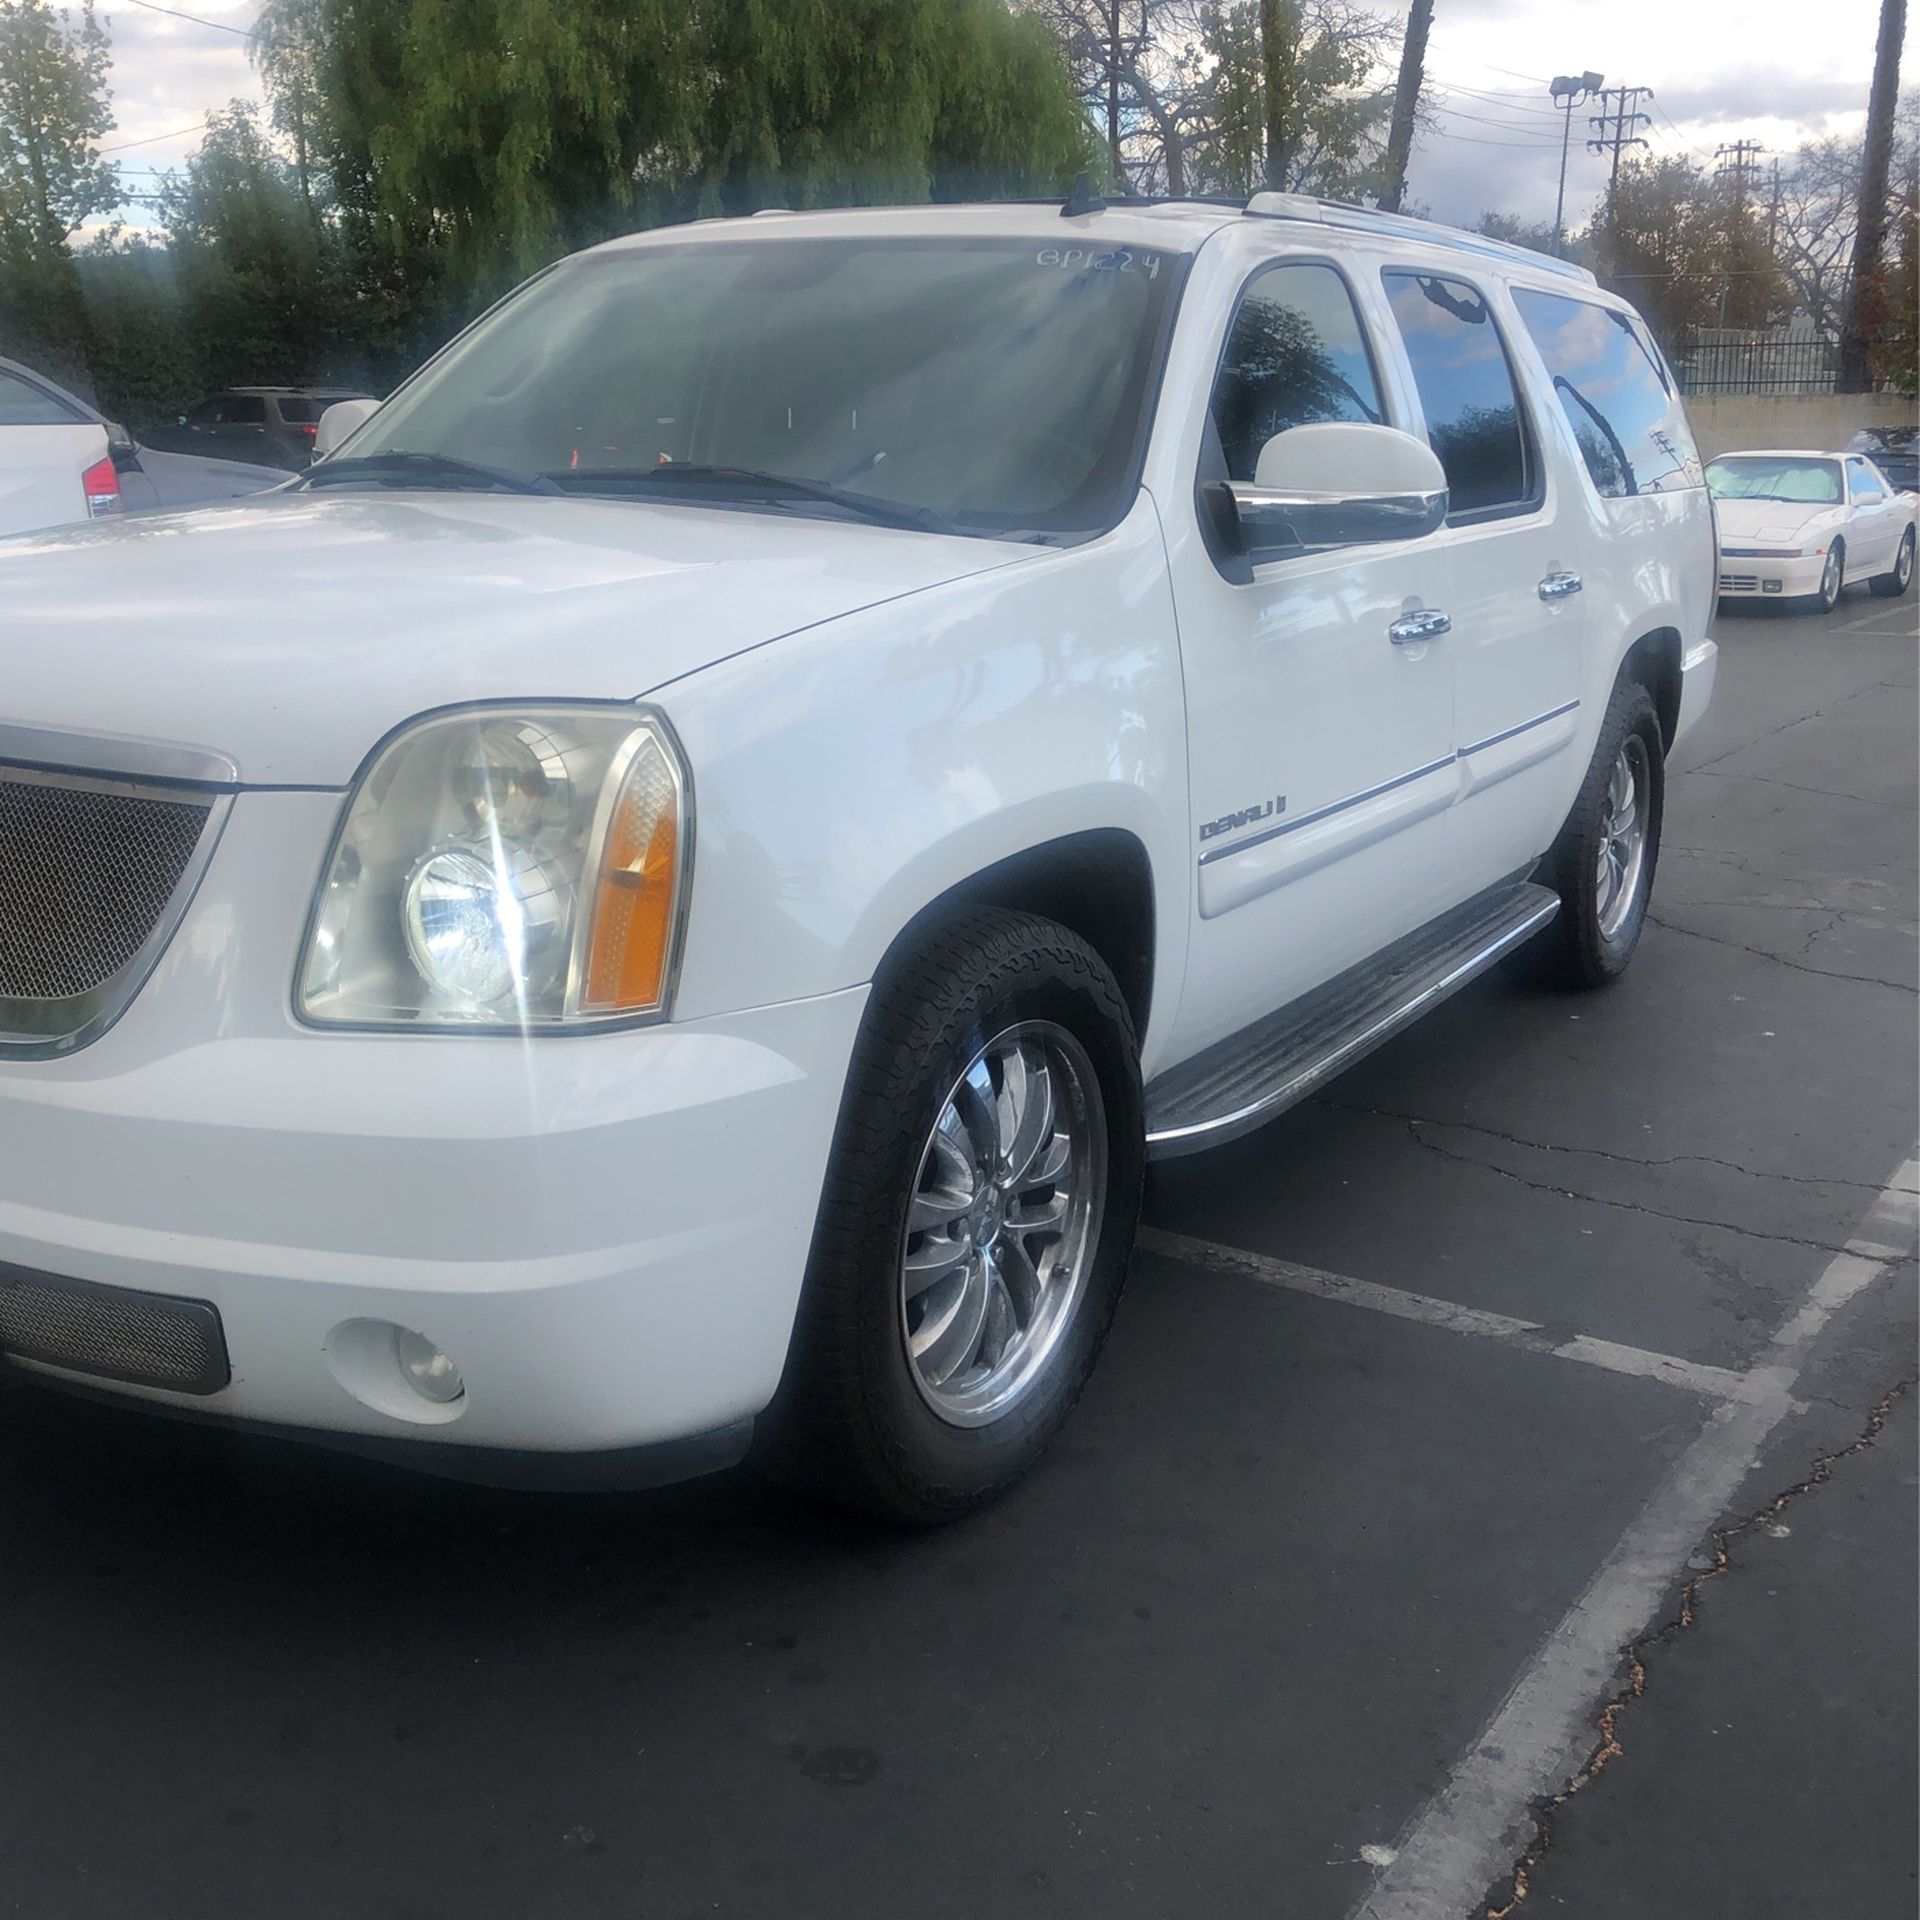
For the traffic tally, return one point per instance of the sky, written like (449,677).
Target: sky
(1777,71)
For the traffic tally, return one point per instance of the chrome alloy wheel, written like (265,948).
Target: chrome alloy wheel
(1903,565)
(1623,837)
(1003,1223)
(1830,579)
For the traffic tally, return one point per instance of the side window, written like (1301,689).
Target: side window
(245,410)
(1474,418)
(1865,487)
(1295,356)
(209,413)
(23,404)
(1617,396)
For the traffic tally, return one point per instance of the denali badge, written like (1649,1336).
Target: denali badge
(1233,822)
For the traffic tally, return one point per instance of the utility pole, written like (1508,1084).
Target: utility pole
(1618,130)
(1569,90)
(1864,293)
(1406,101)
(1738,163)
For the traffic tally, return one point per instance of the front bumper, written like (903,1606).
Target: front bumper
(605,1232)
(1745,578)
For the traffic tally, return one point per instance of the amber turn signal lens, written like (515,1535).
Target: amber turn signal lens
(633,897)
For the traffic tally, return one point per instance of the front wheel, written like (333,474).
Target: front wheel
(1890,585)
(975,1227)
(1833,580)
(1603,863)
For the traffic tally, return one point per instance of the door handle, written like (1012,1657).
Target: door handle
(1556,586)
(1424,623)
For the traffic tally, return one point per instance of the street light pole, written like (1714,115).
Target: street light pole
(1569,90)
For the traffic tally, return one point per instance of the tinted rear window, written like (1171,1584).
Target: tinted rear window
(298,412)
(1625,416)
(1474,418)
(23,404)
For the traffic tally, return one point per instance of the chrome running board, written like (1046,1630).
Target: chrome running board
(1245,1080)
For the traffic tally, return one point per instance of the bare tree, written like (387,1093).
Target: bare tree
(1184,83)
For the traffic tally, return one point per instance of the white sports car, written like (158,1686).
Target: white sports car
(1799,526)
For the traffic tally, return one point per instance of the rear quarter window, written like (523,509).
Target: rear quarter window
(1618,398)
(298,413)
(23,404)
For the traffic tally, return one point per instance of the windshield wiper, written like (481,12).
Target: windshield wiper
(402,468)
(748,483)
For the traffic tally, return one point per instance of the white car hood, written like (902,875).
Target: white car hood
(1769,523)
(289,632)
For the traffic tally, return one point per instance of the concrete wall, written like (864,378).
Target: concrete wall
(1731,422)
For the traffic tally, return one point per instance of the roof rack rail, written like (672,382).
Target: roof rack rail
(1358,219)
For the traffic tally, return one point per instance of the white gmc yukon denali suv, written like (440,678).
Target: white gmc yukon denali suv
(662,897)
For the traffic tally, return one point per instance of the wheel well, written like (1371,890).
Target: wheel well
(1098,884)
(1654,660)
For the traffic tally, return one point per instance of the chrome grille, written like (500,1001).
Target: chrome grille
(89,870)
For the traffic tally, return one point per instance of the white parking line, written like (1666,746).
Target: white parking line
(1472,1830)
(1716,1383)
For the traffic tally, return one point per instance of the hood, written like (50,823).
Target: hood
(1770,523)
(290,631)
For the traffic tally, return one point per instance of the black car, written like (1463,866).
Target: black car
(1895,451)
(274,424)
(150,480)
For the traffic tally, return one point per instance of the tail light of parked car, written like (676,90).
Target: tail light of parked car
(102,487)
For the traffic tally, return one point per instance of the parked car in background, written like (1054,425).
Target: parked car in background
(698,855)
(273,424)
(1797,525)
(55,464)
(142,479)
(1895,451)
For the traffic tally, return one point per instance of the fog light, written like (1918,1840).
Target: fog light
(1770,586)
(429,1372)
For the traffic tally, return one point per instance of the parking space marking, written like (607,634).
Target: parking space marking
(1470,1832)
(1716,1383)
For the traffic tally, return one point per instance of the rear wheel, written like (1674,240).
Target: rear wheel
(1603,863)
(1891,584)
(975,1227)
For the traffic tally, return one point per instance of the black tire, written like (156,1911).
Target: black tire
(1833,581)
(1585,950)
(850,1422)
(1899,577)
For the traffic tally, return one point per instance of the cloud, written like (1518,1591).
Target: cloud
(167,76)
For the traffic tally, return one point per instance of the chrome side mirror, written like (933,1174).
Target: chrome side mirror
(1339,484)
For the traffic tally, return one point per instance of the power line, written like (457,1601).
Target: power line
(179,133)
(219,26)
(1481,120)
(1506,102)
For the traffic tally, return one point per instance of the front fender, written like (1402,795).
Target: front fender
(846,777)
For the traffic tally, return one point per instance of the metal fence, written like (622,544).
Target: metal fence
(1723,361)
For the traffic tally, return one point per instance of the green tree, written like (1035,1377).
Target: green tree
(54,106)
(1334,106)
(1686,251)
(261,285)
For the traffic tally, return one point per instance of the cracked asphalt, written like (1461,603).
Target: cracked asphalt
(1293,1555)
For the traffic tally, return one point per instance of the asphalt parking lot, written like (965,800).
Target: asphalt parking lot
(1424,1405)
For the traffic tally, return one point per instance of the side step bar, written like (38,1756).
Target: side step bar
(1243,1081)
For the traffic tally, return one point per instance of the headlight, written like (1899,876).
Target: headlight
(505,869)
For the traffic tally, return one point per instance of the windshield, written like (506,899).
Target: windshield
(998,386)
(1813,483)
